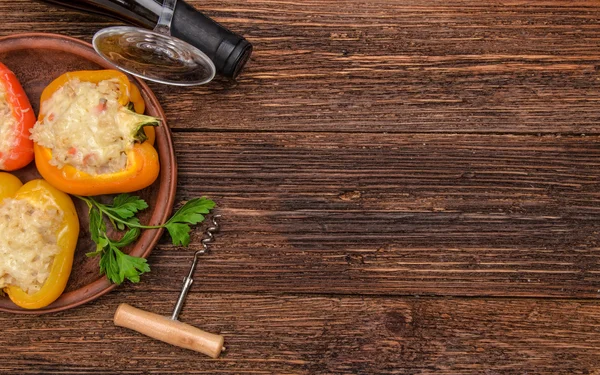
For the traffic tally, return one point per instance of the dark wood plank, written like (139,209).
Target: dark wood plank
(268,334)
(393,66)
(393,214)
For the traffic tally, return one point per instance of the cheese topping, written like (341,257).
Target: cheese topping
(8,133)
(86,127)
(28,243)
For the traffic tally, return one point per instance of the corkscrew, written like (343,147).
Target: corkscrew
(188,280)
(170,330)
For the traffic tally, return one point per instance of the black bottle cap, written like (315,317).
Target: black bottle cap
(228,51)
(234,58)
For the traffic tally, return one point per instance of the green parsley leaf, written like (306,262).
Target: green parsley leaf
(130,268)
(191,212)
(109,265)
(92,254)
(180,233)
(126,206)
(97,226)
(128,238)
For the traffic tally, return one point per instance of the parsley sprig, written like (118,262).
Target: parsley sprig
(121,213)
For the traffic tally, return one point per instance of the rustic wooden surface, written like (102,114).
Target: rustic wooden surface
(408,187)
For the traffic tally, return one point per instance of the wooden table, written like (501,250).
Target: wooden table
(407,187)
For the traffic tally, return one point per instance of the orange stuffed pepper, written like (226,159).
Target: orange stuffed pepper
(91,136)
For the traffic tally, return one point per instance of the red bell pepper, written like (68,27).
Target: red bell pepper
(16,118)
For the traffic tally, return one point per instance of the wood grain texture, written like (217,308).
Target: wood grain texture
(459,215)
(273,334)
(393,66)
(407,187)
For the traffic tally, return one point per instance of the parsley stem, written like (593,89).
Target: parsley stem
(91,202)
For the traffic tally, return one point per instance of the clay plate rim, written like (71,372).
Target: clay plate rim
(167,179)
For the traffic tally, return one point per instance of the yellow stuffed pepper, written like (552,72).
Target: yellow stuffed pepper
(39,227)
(91,137)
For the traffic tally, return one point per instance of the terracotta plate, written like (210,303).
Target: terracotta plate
(37,59)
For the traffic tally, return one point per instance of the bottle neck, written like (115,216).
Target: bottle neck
(142,13)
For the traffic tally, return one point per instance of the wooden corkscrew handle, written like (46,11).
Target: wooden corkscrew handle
(167,330)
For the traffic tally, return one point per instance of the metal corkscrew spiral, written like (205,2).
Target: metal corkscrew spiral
(210,231)
(188,280)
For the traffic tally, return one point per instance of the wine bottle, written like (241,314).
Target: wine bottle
(228,51)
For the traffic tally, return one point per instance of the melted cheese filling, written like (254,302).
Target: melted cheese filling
(86,127)
(8,134)
(28,243)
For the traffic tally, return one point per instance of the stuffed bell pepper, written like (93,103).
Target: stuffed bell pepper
(16,118)
(91,136)
(39,227)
